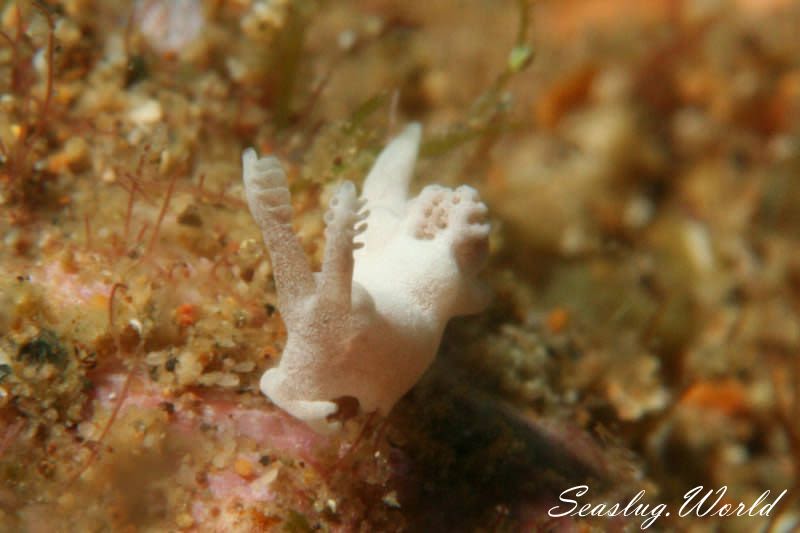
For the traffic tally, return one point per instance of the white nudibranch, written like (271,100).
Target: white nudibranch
(395,269)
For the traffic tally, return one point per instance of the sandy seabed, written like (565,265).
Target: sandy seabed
(640,161)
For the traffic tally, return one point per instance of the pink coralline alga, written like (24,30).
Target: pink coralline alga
(368,325)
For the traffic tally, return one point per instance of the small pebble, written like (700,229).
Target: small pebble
(146,113)
(244,468)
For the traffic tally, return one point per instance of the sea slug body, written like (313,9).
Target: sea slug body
(395,269)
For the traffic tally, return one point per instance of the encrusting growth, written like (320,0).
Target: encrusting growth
(369,324)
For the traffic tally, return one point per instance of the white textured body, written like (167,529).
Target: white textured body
(369,324)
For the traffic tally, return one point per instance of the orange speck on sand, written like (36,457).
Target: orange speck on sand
(270,352)
(779,108)
(496,178)
(566,19)
(266,148)
(564,95)
(557,320)
(727,396)
(99,301)
(244,468)
(232,247)
(59,163)
(186,315)
(763,6)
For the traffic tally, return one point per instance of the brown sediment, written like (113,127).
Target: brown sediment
(642,178)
